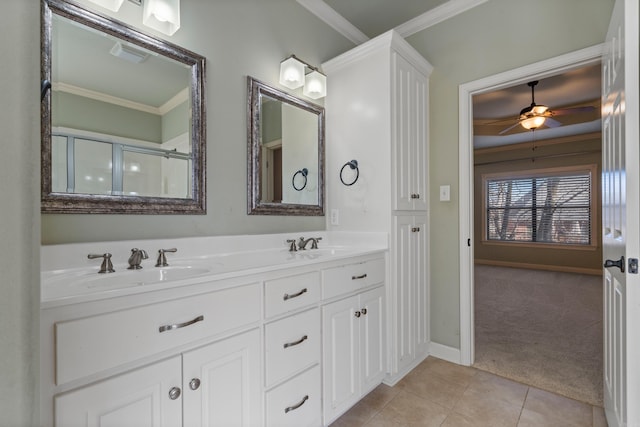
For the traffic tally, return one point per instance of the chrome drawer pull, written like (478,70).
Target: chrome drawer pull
(287,296)
(359,277)
(296,406)
(300,341)
(180,325)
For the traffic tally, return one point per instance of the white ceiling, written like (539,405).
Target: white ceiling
(360,20)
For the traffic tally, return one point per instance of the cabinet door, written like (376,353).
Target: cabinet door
(137,399)
(222,383)
(372,338)
(419,257)
(409,136)
(341,356)
(404,344)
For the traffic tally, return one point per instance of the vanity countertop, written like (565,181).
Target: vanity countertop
(69,277)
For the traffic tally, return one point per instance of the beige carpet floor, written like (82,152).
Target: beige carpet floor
(541,328)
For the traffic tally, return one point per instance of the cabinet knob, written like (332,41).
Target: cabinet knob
(364,311)
(194,384)
(415,196)
(358,313)
(174,393)
(415,229)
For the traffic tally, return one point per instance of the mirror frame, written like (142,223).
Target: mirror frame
(255,89)
(121,204)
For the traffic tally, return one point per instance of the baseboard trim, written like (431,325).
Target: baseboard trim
(450,354)
(392,380)
(560,268)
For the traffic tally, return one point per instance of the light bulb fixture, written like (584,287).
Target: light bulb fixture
(162,15)
(292,75)
(533,122)
(113,5)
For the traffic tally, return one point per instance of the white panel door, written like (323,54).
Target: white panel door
(135,399)
(621,216)
(341,356)
(404,335)
(372,338)
(222,383)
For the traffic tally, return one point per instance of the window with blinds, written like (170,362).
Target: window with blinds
(544,208)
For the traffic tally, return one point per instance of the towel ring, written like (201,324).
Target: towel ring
(304,172)
(353,164)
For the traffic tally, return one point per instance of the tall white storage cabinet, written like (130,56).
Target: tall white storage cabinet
(377,113)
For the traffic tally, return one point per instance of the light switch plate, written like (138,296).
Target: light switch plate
(445,193)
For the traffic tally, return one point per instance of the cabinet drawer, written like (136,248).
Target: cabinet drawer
(92,344)
(290,293)
(348,278)
(296,403)
(292,344)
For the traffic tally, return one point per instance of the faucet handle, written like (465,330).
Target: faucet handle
(162,258)
(106,266)
(292,245)
(314,242)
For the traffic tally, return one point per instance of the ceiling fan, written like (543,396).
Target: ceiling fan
(536,115)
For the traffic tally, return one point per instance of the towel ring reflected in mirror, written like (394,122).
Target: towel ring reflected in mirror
(304,172)
(353,165)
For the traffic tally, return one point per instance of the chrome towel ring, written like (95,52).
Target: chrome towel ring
(304,172)
(353,164)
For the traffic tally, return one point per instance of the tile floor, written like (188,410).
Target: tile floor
(439,393)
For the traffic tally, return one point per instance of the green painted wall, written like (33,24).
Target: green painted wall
(20,213)
(175,122)
(494,37)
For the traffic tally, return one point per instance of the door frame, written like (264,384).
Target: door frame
(538,70)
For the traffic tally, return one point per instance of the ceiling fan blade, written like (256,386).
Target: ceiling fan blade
(549,122)
(574,110)
(509,128)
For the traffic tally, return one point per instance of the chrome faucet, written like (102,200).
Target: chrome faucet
(292,245)
(106,266)
(137,255)
(162,258)
(302,243)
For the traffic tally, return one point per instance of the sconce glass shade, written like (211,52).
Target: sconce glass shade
(316,85)
(162,15)
(533,122)
(291,73)
(112,5)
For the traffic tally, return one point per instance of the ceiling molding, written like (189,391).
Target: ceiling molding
(103,97)
(334,20)
(436,15)
(179,98)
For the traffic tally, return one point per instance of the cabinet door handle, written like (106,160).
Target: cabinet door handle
(180,325)
(357,314)
(300,341)
(174,393)
(287,296)
(297,405)
(415,229)
(359,277)
(194,384)
(415,196)
(364,311)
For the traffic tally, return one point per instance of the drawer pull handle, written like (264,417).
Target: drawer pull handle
(180,325)
(300,341)
(297,405)
(287,296)
(359,277)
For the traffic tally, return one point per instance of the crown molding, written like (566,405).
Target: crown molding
(334,20)
(436,15)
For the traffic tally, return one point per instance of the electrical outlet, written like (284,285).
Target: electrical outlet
(335,217)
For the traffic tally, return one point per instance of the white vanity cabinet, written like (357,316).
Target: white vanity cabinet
(216,385)
(377,110)
(354,333)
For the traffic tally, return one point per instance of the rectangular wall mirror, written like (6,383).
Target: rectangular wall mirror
(123,125)
(285,153)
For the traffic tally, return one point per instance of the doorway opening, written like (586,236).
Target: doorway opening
(520,76)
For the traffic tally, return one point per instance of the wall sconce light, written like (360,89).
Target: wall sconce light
(162,15)
(292,75)
(112,5)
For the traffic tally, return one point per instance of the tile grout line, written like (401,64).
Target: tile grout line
(523,403)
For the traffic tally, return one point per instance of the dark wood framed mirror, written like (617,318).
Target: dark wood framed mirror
(285,153)
(123,118)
